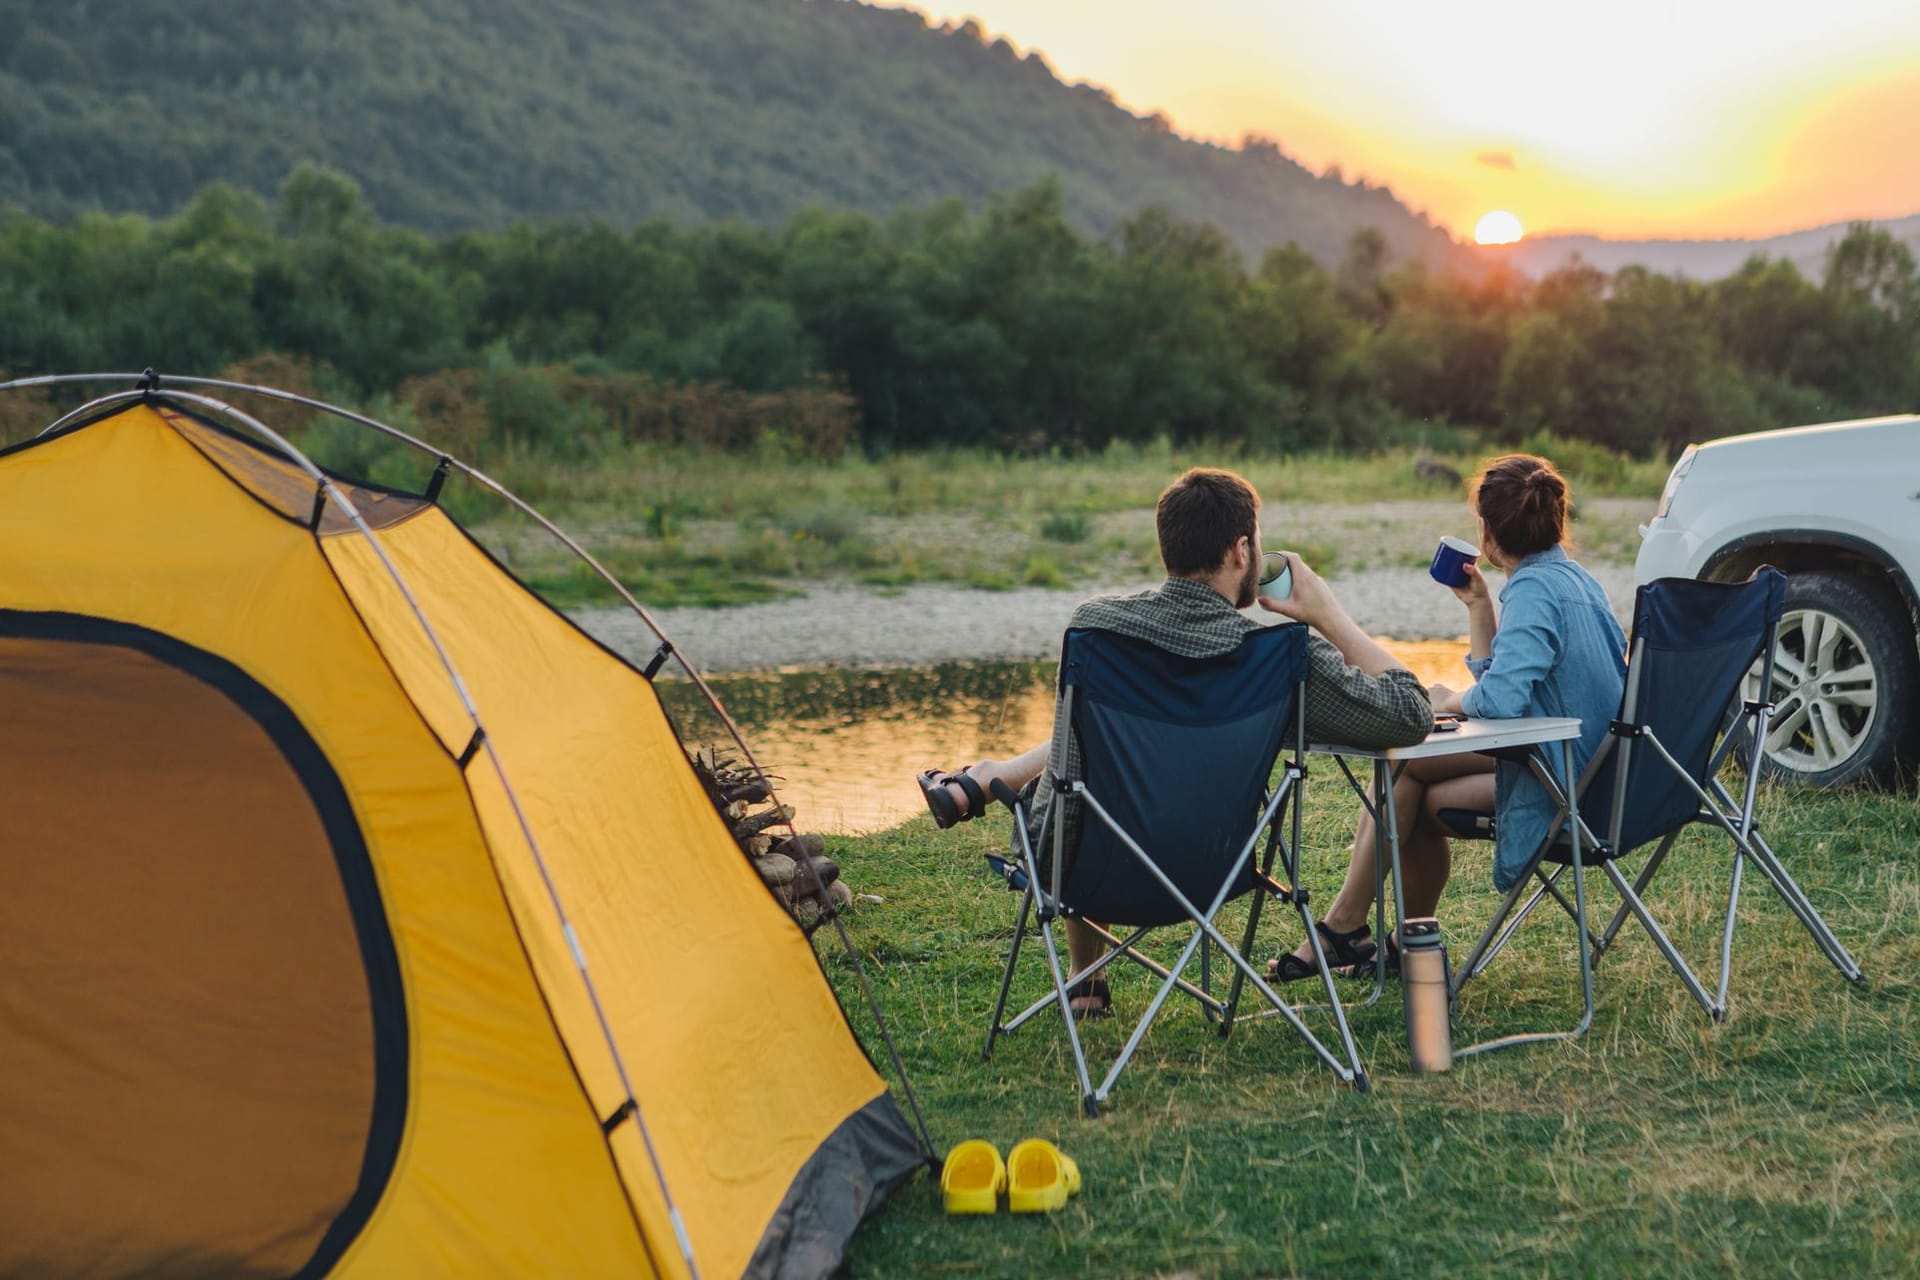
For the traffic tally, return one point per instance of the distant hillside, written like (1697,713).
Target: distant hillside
(462,113)
(1696,259)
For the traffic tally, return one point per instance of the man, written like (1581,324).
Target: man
(1357,693)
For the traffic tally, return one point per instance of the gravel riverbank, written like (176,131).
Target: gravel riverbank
(838,624)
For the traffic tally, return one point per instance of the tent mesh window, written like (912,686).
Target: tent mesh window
(216,1033)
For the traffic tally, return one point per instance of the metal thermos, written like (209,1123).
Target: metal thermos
(1423,974)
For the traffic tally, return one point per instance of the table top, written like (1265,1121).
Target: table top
(1472,735)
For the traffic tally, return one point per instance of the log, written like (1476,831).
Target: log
(752,791)
(762,820)
(776,869)
(807,844)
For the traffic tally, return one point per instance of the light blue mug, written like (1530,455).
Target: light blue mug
(1276,576)
(1450,562)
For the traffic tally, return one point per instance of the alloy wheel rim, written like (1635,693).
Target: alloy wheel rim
(1824,692)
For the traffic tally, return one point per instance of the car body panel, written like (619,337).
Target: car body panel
(1857,483)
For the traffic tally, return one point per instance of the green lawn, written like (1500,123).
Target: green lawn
(1782,1143)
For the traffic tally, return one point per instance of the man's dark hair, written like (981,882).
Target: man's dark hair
(1524,502)
(1199,518)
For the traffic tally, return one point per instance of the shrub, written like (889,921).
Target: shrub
(1066,526)
(1042,572)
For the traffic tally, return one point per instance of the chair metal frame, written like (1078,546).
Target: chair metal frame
(1042,899)
(1717,807)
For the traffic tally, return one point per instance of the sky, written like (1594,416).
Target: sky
(1696,119)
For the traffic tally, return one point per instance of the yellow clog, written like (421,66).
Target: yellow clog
(1039,1177)
(972,1178)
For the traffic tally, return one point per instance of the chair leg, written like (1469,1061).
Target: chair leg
(1582,934)
(1796,899)
(1634,904)
(1066,1013)
(1477,958)
(1726,932)
(995,1027)
(1640,883)
(1552,887)
(1253,923)
(1097,1096)
(1333,999)
(1519,918)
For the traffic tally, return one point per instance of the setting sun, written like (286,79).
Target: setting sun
(1498,227)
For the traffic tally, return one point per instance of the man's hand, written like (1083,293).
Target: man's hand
(1312,601)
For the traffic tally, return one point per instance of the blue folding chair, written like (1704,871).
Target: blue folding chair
(1162,826)
(1657,772)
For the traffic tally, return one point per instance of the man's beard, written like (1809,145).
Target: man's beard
(1249,585)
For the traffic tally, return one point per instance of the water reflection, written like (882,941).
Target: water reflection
(847,741)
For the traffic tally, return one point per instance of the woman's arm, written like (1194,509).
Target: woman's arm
(1481,622)
(1529,636)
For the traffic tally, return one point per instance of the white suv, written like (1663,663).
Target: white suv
(1838,508)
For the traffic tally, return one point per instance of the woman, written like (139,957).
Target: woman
(1554,649)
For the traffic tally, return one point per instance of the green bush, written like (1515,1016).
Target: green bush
(1066,526)
(1040,571)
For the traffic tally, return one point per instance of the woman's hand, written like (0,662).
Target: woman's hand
(1475,593)
(1445,701)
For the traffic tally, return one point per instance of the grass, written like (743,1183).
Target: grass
(683,526)
(1785,1142)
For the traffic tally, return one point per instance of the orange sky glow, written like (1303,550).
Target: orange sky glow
(1642,118)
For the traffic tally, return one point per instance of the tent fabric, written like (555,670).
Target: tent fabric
(305,924)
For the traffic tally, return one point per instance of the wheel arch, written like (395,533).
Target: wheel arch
(1802,550)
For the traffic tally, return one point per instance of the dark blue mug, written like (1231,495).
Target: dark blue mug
(1450,562)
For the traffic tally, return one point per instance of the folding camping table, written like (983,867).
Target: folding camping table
(1531,733)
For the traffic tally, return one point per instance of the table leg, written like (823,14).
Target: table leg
(1383,788)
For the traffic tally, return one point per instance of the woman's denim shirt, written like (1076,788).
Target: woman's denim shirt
(1557,652)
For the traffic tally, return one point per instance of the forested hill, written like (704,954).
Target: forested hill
(462,113)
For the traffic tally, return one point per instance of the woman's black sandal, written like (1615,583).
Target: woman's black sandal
(933,788)
(1349,948)
(1364,968)
(1349,955)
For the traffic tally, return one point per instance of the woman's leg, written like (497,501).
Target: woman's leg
(1464,791)
(1425,856)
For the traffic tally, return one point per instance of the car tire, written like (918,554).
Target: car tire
(1849,717)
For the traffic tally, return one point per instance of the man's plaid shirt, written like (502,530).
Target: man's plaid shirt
(1191,619)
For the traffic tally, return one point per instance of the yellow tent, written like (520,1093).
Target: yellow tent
(362,916)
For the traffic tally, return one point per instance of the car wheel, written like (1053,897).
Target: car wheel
(1845,676)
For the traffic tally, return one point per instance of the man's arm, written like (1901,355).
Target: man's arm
(1348,705)
(1357,692)
(1314,603)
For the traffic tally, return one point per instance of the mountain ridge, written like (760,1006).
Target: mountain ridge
(474,113)
(1704,259)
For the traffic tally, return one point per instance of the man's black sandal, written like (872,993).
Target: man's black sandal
(1094,989)
(933,788)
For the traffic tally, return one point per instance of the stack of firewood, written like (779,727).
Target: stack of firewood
(794,864)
